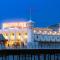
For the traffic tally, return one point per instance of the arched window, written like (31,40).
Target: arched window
(13,34)
(19,33)
(26,33)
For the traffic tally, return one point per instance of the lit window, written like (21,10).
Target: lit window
(25,33)
(13,34)
(6,34)
(19,33)
(39,31)
(34,31)
(54,32)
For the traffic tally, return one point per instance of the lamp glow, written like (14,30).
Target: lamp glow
(14,24)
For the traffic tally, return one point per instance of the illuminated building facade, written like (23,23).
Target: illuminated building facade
(31,40)
(25,35)
(17,33)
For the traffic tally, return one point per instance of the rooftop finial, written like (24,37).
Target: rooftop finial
(30,13)
(30,19)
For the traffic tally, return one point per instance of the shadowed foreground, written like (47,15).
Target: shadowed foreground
(30,54)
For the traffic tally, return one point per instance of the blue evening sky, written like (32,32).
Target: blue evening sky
(44,12)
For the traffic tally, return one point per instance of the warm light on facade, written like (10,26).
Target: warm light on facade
(5,35)
(15,38)
(11,43)
(12,36)
(18,37)
(5,25)
(25,35)
(17,33)
(14,24)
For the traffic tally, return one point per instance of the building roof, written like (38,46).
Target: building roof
(55,26)
(43,29)
(30,21)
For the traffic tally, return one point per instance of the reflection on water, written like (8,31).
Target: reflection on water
(31,57)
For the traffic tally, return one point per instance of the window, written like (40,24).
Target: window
(37,36)
(19,33)
(25,33)
(6,34)
(13,34)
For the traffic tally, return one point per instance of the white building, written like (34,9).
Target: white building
(25,35)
